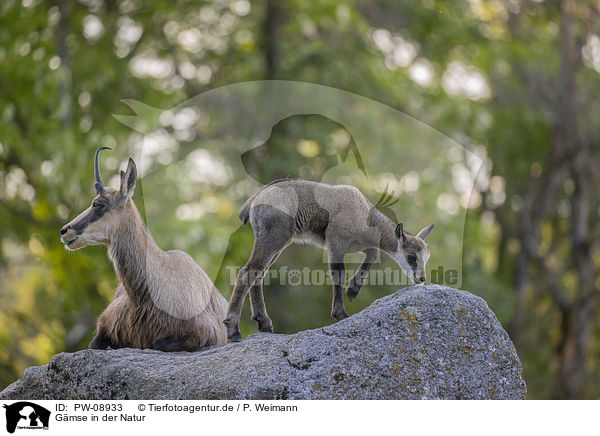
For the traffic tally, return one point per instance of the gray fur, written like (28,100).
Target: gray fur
(337,217)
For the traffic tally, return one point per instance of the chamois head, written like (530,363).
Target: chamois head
(97,223)
(413,252)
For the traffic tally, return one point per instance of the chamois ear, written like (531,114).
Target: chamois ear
(128,179)
(425,232)
(400,231)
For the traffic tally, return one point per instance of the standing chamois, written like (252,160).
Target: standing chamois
(338,218)
(164,300)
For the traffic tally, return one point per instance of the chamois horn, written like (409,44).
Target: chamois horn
(99,185)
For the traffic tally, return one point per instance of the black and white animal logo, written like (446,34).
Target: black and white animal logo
(26,415)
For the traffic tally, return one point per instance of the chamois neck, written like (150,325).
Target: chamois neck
(132,251)
(387,230)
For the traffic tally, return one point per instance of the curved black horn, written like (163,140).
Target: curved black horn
(99,184)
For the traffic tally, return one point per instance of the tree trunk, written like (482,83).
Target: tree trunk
(577,318)
(516,325)
(271,27)
(62,31)
(572,352)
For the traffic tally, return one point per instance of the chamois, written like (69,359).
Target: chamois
(336,217)
(164,300)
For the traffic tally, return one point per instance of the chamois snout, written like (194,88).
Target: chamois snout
(67,235)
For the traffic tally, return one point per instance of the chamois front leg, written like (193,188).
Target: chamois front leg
(169,344)
(101,341)
(359,277)
(337,269)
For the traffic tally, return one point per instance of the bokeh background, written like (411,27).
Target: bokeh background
(515,81)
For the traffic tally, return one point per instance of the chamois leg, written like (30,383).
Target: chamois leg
(259,310)
(358,279)
(257,302)
(337,269)
(169,344)
(263,253)
(232,320)
(101,341)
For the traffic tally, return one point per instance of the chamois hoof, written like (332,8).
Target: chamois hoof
(235,337)
(352,292)
(265,327)
(233,330)
(339,315)
(264,324)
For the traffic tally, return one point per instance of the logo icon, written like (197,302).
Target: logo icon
(26,415)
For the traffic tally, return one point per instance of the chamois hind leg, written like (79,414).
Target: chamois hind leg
(232,320)
(359,277)
(337,269)
(259,310)
(267,244)
(257,302)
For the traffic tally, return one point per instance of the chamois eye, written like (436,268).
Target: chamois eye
(97,205)
(412,258)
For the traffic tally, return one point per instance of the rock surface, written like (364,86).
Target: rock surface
(423,342)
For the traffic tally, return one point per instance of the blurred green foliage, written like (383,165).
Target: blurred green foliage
(480,72)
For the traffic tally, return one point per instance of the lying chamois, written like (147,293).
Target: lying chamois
(339,218)
(164,300)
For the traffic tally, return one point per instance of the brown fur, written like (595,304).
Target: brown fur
(164,300)
(339,218)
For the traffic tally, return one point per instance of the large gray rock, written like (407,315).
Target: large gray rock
(421,342)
